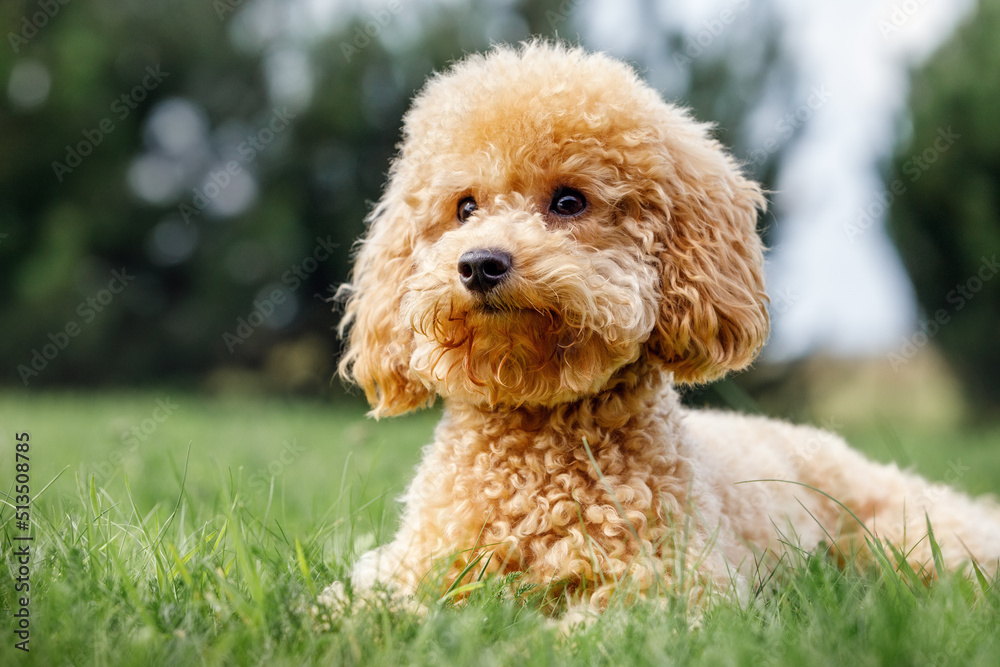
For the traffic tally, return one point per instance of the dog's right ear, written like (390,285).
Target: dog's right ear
(379,345)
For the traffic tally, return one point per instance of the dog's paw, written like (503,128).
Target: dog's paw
(334,597)
(331,604)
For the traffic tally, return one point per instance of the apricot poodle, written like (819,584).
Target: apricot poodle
(556,247)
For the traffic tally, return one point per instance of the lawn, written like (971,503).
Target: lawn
(181,529)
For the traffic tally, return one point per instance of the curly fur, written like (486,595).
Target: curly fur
(564,449)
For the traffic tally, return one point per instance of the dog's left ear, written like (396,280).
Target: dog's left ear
(713,315)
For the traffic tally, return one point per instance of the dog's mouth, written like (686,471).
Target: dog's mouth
(495,309)
(496,305)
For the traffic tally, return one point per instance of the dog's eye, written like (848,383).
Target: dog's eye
(466,207)
(568,202)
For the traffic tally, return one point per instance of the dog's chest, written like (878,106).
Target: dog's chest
(532,497)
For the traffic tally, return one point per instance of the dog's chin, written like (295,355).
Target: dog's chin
(495,355)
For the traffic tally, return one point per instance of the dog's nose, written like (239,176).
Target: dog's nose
(482,270)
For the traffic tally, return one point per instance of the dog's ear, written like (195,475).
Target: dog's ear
(379,346)
(713,314)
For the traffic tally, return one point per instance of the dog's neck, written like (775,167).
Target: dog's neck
(635,396)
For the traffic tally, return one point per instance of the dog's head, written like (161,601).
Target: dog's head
(548,221)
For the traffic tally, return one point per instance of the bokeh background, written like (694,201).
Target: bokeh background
(181,182)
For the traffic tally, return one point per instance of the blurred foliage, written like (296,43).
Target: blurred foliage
(946,217)
(67,227)
(119,121)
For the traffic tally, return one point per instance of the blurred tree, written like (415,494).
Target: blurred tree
(219,157)
(181,181)
(945,184)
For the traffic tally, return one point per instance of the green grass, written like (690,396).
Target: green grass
(206,543)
